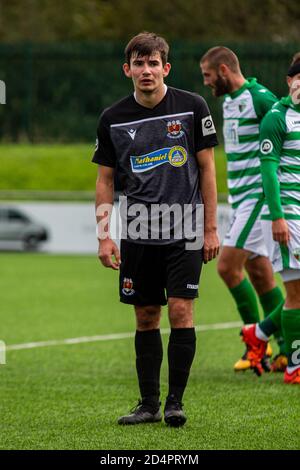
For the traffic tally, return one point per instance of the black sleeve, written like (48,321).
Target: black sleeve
(104,151)
(205,132)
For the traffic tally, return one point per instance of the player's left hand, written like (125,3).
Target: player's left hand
(280,230)
(211,245)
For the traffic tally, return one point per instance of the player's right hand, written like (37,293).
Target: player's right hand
(109,254)
(211,245)
(280,231)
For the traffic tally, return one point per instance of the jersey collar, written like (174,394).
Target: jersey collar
(287,101)
(238,92)
(165,91)
(249,82)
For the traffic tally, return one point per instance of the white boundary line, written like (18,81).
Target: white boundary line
(91,339)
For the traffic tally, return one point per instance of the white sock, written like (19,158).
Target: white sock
(292,369)
(260,334)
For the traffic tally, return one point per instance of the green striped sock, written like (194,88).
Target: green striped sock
(273,301)
(272,323)
(245,298)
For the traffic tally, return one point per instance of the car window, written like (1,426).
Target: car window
(16,216)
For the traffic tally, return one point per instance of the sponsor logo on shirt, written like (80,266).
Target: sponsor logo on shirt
(175,156)
(231,131)
(128,286)
(174,129)
(266,146)
(132,133)
(208,127)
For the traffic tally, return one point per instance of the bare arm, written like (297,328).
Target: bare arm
(208,186)
(108,251)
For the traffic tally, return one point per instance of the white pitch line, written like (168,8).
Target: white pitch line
(91,339)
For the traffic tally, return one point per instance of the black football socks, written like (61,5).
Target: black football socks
(149,355)
(181,352)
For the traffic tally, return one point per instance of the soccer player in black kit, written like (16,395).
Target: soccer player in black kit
(160,141)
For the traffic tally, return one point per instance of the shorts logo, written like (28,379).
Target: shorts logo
(192,286)
(174,129)
(128,286)
(175,156)
(96,145)
(208,127)
(266,146)
(296,253)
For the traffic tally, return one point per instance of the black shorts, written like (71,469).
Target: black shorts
(146,271)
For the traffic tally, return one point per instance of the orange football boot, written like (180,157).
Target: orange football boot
(256,348)
(293,377)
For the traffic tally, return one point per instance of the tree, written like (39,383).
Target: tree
(195,20)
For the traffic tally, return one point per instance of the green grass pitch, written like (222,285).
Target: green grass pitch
(70,396)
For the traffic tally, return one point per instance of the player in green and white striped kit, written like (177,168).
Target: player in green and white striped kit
(280,166)
(245,104)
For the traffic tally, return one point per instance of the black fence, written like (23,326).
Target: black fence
(55,92)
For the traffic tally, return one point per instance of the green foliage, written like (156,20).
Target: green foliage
(56,92)
(53,20)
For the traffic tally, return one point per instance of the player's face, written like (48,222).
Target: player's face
(294,86)
(147,72)
(211,77)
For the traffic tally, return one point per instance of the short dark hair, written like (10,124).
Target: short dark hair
(294,68)
(145,44)
(221,55)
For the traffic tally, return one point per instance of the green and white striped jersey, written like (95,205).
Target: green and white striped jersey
(243,111)
(280,143)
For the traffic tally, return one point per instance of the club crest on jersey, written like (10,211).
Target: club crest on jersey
(174,129)
(127,288)
(242,106)
(296,253)
(175,156)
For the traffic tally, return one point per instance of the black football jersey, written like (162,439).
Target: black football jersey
(154,150)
